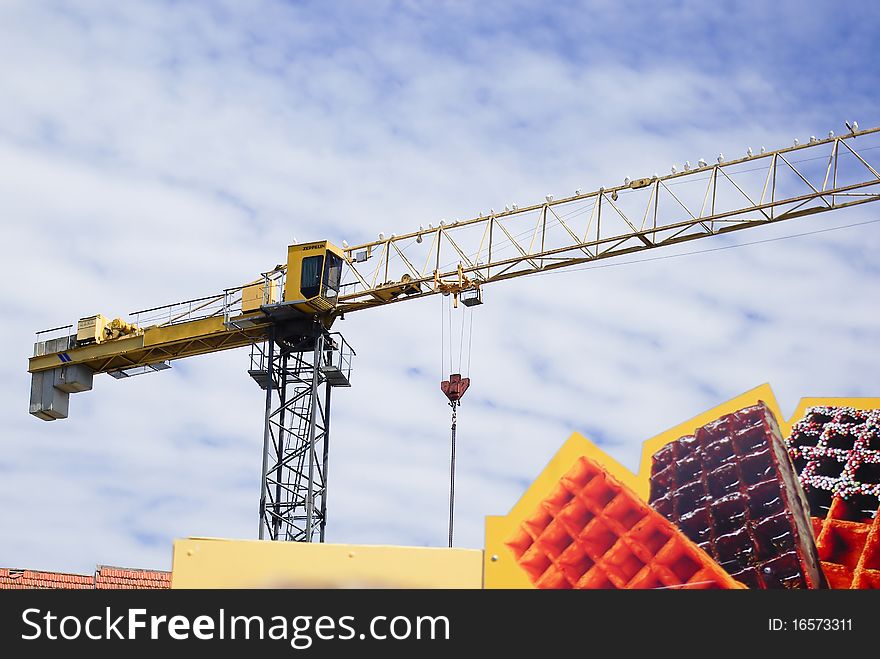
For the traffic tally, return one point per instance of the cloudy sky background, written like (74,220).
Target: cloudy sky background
(154,152)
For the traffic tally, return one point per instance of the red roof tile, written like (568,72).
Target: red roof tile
(105,577)
(125,578)
(15,579)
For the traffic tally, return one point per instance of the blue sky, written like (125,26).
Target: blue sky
(154,152)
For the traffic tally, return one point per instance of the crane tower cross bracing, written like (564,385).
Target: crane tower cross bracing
(286,314)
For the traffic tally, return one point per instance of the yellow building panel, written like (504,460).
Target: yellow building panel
(220,563)
(501,569)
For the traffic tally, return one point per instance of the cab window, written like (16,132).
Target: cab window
(310,277)
(332,275)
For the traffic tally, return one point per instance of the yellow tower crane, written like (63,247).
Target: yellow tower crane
(287,313)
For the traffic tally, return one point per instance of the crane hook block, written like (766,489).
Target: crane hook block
(455,387)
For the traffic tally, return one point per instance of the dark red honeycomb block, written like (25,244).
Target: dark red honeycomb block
(731,488)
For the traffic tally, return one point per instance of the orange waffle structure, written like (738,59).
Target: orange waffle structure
(849,551)
(594,532)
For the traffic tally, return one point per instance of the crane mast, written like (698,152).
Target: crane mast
(286,315)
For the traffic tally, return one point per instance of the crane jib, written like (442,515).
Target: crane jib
(321,281)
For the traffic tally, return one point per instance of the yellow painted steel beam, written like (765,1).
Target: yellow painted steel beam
(494,247)
(638,183)
(220,563)
(156,344)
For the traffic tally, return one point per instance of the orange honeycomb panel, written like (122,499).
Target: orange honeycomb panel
(593,532)
(849,551)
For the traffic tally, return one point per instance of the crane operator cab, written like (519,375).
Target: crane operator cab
(314,274)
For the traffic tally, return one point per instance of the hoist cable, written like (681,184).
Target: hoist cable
(461,341)
(470,341)
(452,476)
(450,333)
(442,340)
